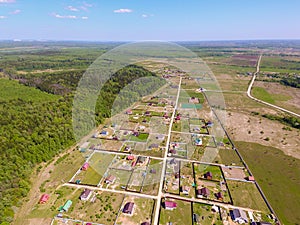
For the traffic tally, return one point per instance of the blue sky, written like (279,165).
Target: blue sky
(129,20)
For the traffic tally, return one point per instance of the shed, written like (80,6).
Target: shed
(110,179)
(44,198)
(238,216)
(203,192)
(67,205)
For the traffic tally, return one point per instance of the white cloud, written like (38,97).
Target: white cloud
(64,16)
(85,6)
(84,17)
(72,8)
(123,11)
(3,17)
(147,15)
(7,1)
(17,11)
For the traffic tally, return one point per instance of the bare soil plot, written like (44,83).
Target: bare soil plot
(172,174)
(159,125)
(136,180)
(235,173)
(142,211)
(246,194)
(182,214)
(187,180)
(111,145)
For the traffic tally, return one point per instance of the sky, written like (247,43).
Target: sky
(135,20)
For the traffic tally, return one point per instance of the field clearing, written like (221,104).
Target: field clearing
(246,195)
(12,90)
(290,97)
(278,175)
(264,95)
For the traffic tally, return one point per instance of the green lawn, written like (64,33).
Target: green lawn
(206,216)
(278,175)
(11,89)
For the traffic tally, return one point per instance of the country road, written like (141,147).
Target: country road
(260,101)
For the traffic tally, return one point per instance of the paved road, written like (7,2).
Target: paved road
(260,101)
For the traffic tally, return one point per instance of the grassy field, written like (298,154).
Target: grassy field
(246,195)
(264,95)
(11,89)
(278,175)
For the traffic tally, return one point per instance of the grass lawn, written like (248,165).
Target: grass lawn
(141,138)
(179,216)
(11,89)
(201,169)
(278,175)
(228,157)
(246,195)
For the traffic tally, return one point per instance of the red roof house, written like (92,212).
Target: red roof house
(169,205)
(85,166)
(44,198)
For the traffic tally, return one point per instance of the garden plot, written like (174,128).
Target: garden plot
(159,125)
(181,125)
(187,183)
(172,182)
(127,125)
(206,214)
(116,179)
(181,214)
(141,211)
(121,163)
(197,126)
(208,172)
(152,179)
(97,166)
(111,145)
(136,180)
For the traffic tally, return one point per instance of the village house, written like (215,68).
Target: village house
(193,100)
(85,166)
(203,192)
(85,195)
(110,179)
(169,205)
(44,198)
(219,196)
(238,216)
(208,175)
(128,208)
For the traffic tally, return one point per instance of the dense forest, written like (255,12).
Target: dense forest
(35,119)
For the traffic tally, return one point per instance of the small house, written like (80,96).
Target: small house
(85,166)
(153,171)
(147,113)
(209,124)
(203,192)
(104,132)
(85,195)
(208,175)
(44,198)
(238,216)
(128,208)
(169,205)
(250,178)
(219,196)
(130,157)
(193,100)
(185,190)
(129,112)
(141,160)
(110,179)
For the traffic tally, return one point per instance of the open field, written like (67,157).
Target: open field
(278,175)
